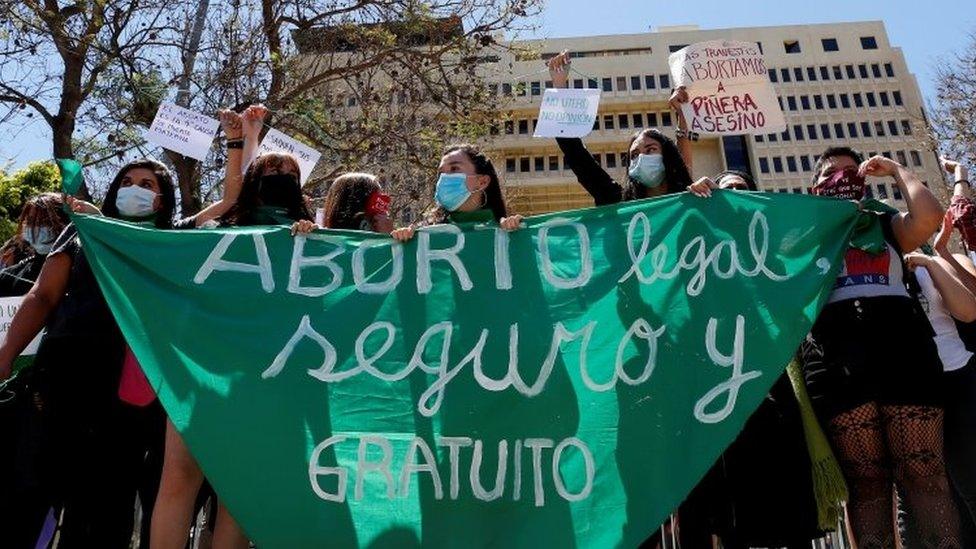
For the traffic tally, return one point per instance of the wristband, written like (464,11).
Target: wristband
(235,143)
(689,135)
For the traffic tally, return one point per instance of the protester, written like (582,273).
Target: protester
(878,385)
(76,374)
(41,220)
(467,190)
(656,165)
(356,201)
(268,194)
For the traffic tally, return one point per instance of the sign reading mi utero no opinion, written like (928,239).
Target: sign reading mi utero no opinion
(567,383)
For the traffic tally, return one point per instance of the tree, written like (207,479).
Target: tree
(16,188)
(954,113)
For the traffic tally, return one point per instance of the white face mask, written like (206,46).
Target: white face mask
(135,201)
(39,238)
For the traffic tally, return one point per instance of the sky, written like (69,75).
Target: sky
(925,35)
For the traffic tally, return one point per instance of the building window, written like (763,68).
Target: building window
(791,164)
(763,164)
(829,44)
(889,70)
(598,158)
(665,119)
(839,130)
(916,158)
(779,99)
(831,101)
(638,120)
(510,165)
(623,121)
(798,74)
(596,123)
(540,164)
(772,137)
(852,130)
(760,47)
(883,96)
(798,132)
(862,70)
(896,95)
(535,122)
(578,83)
(635,83)
(675,47)
(777,164)
(849,69)
(845,101)
(608,84)
(611,160)
(805,102)
(621,83)
(785,74)
(876,70)
(811,74)
(507,90)
(785,136)
(872,102)
(524,164)
(838,75)
(592,83)
(825,131)
(553,163)
(548,84)
(791,46)
(812,131)
(772,75)
(882,191)
(857,100)
(805,163)
(797,190)
(523,127)
(509,127)
(818,102)
(906,127)
(879,128)
(665,81)
(759,138)
(651,119)
(824,73)
(902,159)
(791,101)
(895,193)
(869,43)
(536,88)
(608,121)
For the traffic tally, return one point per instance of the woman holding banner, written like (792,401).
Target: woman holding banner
(656,165)
(80,415)
(882,401)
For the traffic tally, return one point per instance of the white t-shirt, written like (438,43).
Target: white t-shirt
(952,350)
(868,275)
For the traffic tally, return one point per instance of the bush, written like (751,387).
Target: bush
(17,187)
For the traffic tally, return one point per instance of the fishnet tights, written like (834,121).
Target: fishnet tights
(878,445)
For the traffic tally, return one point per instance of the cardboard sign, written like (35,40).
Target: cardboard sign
(182,130)
(728,86)
(275,141)
(567,112)
(8,308)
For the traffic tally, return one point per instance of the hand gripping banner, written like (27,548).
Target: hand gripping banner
(565,384)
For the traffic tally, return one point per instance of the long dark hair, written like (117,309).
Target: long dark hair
(242,212)
(749,181)
(345,201)
(494,200)
(167,191)
(676,174)
(42,210)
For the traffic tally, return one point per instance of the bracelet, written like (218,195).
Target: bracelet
(235,143)
(958,181)
(689,135)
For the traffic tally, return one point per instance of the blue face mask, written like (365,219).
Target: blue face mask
(39,238)
(452,190)
(133,201)
(648,170)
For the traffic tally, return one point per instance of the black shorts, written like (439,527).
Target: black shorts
(877,349)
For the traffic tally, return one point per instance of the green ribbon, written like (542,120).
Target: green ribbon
(868,235)
(71,178)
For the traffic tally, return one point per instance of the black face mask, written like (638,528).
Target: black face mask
(280,191)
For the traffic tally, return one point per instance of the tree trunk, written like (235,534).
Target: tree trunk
(187,178)
(187,175)
(63,126)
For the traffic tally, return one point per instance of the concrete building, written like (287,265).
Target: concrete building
(838,84)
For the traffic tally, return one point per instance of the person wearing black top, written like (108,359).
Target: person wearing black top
(42,219)
(657,167)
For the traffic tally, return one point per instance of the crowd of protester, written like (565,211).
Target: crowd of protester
(889,366)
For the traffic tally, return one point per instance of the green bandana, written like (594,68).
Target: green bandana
(868,234)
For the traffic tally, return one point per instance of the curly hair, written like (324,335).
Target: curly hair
(242,212)
(167,191)
(345,201)
(494,200)
(42,210)
(676,174)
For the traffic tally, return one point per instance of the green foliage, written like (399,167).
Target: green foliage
(17,187)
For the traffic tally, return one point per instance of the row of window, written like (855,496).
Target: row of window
(835,72)
(828,44)
(623,121)
(805,163)
(840,130)
(607,84)
(540,164)
(841,100)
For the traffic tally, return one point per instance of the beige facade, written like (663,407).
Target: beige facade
(838,84)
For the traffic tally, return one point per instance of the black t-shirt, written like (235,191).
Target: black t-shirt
(18,278)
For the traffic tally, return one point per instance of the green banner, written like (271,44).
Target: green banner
(562,385)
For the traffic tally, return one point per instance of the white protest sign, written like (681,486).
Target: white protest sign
(8,308)
(275,141)
(182,130)
(729,92)
(567,112)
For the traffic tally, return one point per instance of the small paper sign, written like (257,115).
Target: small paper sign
(275,141)
(182,130)
(729,92)
(8,308)
(567,112)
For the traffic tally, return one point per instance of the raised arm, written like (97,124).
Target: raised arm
(914,227)
(231,123)
(587,170)
(678,97)
(958,300)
